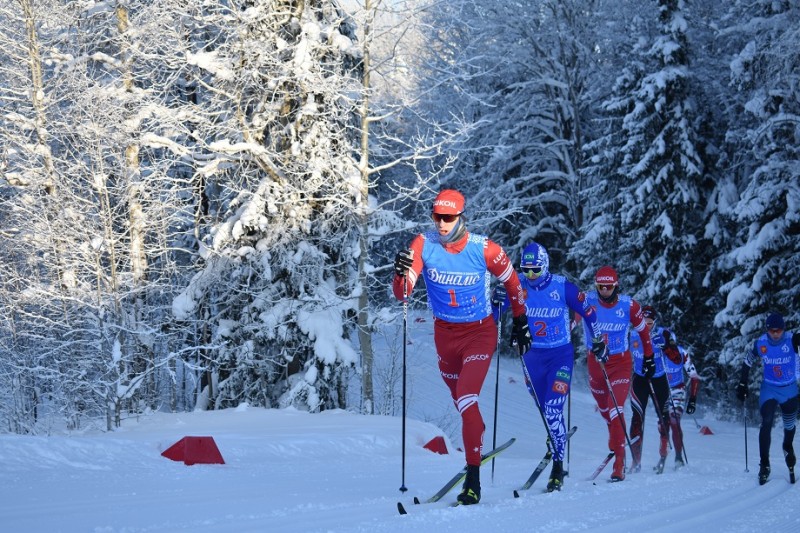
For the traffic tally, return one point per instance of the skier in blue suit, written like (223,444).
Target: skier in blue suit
(549,361)
(777,349)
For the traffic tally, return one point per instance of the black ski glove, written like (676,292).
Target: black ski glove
(402,262)
(741,391)
(521,334)
(649,367)
(599,349)
(499,296)
(690,407)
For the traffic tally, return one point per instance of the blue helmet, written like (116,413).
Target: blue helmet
(535,255)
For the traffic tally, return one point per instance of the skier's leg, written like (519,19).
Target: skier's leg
(661,389)
(677,396)
(553,395)
(639,396)
(789,414)
(765,432)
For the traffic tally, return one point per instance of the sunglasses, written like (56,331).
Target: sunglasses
(605,287)
(438,217)
(532,272)
(775,331)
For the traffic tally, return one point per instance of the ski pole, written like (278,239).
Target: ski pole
(569,425)
(616,405)
(496,389)
(551,442)
(405,333)
(659,413)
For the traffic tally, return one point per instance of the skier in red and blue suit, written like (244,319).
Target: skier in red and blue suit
(616,314)
(677,389)
(778,350)
(457,267)
(548,364)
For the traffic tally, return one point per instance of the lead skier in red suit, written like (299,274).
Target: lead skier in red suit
(456,266)
(616,313)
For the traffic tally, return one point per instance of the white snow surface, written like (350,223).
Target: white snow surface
(291,471)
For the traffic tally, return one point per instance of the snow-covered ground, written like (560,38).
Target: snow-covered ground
(336,471)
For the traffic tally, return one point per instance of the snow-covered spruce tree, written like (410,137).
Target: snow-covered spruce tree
(277,285)
(520,75)
(761,200)
(657,211)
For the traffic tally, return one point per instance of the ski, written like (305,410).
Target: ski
(541,466)
(791,475)
(607,460)
(458,478)
(600,468)
(659,468)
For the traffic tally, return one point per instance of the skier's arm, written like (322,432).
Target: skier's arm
(638,323)
(751,357)
(670,348)
(498,263)
(576,300)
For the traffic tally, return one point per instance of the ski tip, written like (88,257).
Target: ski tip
(516,493)
(401,509)
(416,501)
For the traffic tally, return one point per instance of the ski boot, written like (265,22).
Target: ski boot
(618,474)
(679,463)
(763,473)
(471,491)
(659,468)
(791,460)
(556,480)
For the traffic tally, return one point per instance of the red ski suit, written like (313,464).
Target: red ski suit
(618,367)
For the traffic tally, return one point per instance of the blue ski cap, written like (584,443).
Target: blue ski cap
(775,321)
(535,255)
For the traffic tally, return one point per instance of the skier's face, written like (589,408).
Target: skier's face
(605,290)
(444,223)
(775,334)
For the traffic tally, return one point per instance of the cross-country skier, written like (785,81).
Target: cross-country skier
(777,349)
(616,313)
(549,362)
(456,266)
(665,348)
(677,387)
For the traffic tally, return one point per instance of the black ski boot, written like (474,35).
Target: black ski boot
(763,473)
(679,462)
(556,480)
(791,460)
(471,491)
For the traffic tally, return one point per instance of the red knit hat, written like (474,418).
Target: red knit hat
(606,276)
(449,202)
